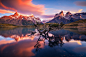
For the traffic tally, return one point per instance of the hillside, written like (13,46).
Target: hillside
(67,18)
(76,24)
(80,21)
(7,25)
(20,20)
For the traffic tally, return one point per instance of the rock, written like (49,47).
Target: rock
(20,20)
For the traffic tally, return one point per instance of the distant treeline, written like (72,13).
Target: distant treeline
(55,24)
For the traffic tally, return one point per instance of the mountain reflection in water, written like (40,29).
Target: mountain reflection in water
(33,42)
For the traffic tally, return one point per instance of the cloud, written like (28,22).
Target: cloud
(7,7)
(47,16)
(80,3)
(5,11)
(80,10)
(22,6)
(6,41)
(21,48)
(54,11)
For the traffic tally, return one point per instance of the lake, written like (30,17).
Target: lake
(25,42)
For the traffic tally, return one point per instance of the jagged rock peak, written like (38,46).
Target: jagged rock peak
(16,14)
(68,16)
(32,15)
(61,12)
(68,13)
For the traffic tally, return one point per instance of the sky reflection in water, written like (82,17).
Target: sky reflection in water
(19,42)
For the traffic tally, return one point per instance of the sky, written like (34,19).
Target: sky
(44,9)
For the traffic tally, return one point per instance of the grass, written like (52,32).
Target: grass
(72,25)
(76,24)
(7,25)
(1,24)
(80,21)
(53,24)
(11,25)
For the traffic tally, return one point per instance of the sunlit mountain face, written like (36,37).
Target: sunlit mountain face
(68,17)
(20,20)
(32,42)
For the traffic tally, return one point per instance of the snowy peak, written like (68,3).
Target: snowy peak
(16,14)
(21,17)
(6,17)
(17,18)
(31,15)
(67,18)
(61,14)
(68,15)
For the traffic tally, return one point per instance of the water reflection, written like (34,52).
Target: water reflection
(22,42)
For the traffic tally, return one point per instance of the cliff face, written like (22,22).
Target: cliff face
(20,20)
(67,18)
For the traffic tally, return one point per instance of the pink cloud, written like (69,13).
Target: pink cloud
(5,11)
(7,7)
(22,6)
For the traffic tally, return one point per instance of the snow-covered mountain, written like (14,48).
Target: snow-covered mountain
(61,14)
(67,18)
(18,19)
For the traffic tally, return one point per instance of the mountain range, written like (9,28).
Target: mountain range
(20,20)
(67,18)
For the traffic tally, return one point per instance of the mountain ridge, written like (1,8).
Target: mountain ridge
(67,18)
(20,20)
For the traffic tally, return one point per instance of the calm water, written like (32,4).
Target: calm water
(19,42)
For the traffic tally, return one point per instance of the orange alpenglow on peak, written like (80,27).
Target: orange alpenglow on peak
(32,15)
(61,14)
(16,14)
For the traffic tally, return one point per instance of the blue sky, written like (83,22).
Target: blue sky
(67,5)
